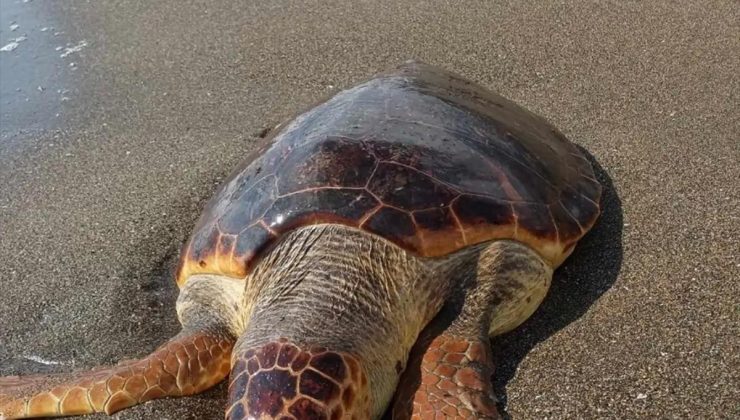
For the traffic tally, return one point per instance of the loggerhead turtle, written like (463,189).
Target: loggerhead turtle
(313,270)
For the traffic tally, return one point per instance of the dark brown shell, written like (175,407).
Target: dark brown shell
(419,156)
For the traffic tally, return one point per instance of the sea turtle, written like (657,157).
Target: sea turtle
(414,200)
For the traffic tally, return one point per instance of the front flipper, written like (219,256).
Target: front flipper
(188,364)
(449,373)
(449,376)
(456,380)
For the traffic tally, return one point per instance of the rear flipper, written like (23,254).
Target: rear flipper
(188,364)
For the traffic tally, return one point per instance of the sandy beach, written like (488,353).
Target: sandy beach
(119,119)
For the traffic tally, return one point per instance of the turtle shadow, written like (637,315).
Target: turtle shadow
(590,271)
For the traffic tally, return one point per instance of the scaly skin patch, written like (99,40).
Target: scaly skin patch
(186,365)
(280,380)
(455,381)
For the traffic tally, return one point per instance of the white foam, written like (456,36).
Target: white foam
(71,50)
(10,46)
(43,361)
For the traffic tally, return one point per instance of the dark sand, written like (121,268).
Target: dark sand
(168,96)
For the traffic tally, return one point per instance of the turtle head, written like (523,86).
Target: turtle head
(281,379)
(327,329)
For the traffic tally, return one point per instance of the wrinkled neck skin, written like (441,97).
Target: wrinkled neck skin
(353,296)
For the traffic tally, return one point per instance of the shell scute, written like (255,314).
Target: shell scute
(567,225)
(434,219)
(335,162)
(419,156)
(579,204)
(393,224)
(255,201)
(321,205)
(474,211)
(405,187)
(537,218)
(257,233)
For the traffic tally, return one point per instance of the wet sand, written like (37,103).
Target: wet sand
(166,97)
